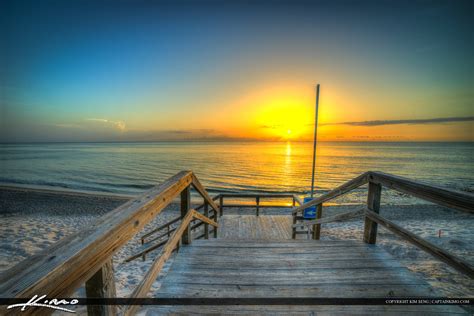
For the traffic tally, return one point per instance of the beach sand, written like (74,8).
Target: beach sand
(31,220)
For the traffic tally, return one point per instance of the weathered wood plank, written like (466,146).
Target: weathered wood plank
(295,269)
(186,237)
(221,205)
(298,290)
(102,285)
(167,233)
(300,310)
(373,204)
(340,190)
(461,201)
(215,218)
(288,264)
(214,198)
(265,227)
(206,214)
(146,248)
(318,276)
(262,243)
(298,200)
(317,227)
(289,251)
(204,219)
(455,262)
(59,270)
(255,205)
(255,195)
(202,191)
(174,220)
(144,286)
(334,218)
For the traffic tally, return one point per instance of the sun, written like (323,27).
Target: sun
(288,131)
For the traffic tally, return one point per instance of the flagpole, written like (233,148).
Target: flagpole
(315,138)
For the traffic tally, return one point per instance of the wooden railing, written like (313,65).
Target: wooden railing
(184,228)
(158,237)
(258,201)
(376,180)
(86,256)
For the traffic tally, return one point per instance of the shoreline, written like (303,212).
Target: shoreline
(60,190)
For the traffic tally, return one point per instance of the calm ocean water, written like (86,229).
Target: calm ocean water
(131,168)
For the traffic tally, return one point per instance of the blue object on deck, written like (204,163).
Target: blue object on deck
(310,212)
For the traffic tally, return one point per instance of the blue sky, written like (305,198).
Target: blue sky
(151,70)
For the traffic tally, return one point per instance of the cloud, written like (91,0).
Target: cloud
(188,131)
(274,126)
(68,125)
(120,125)
(411,121)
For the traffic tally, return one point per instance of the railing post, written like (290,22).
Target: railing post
(144,255)
(206,225)
(221,204)
(258,204)
(215,220)
(317,227)
(102,285)
(294,201)
(185,207)
(373,204)
(293,232)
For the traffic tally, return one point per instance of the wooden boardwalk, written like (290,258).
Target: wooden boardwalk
(239,268)
(265,227)
(253,257)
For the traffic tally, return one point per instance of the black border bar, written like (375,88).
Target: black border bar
(257,301)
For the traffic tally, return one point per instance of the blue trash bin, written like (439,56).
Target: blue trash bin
(310,212)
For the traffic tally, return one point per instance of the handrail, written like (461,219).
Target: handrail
(298,199)
(257,197)
(215,197)
(167,224)
(330,219)
(340,190)
(150,277)
(458,200)
(142,253)
(445,256)
(149,248)
(202,191)
(174,220)
(62,268)
(79,258)
(254,195)
(450,198)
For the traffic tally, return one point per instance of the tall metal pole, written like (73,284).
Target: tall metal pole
(315,138)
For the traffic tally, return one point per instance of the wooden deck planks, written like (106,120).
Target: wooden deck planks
(265,268)
(266,227)
(320,310)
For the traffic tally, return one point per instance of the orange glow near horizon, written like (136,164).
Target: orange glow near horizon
(285,112)
(279,112)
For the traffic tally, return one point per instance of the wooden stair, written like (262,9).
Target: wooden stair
(239,268)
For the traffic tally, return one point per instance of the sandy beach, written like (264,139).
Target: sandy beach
(31,220)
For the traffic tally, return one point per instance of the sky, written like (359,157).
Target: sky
(236,70)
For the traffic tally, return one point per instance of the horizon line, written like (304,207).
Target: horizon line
(235,140)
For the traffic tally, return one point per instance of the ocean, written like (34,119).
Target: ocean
(251,167)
